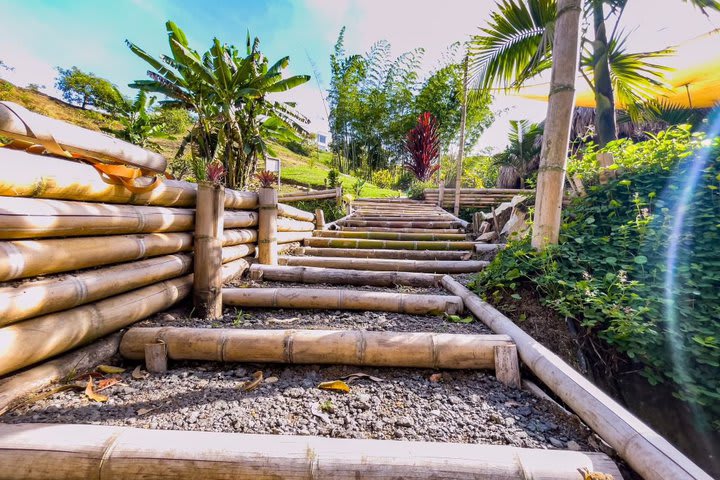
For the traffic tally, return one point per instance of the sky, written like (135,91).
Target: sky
(38,35)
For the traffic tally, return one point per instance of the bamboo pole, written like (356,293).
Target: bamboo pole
(290,237)
(401,230)
(334,276)
(156,357)
(267,228)
(335,347)
(319,219)
(384,253)
(485,191)
(289,225)
(15,389)
(295,213)
(30,258)
(390,235)
(31,341)
(79,452)
(207,279)
(645,451)
(235,237)
(28,175)
(390,244)
(387,264)
(398,223)
(461,146)
(317,298)
(237,251)
(318,195)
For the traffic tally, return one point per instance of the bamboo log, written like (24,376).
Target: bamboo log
(290,237)
(390,244)
(297,197)
(507,369)
(235,237)
(39,297)
(207,279)
(387,264)
(239,219)
(57,136)
(237,251)
(30,258)
(390,235)
(335,347)
(156,357)
(334,276)
(317,298)
(383,253)
(79,452)
(398,223)
(289,225)
(31,341)
(645,451)
(401,230)
(295,213)
(267,228)
(485,191)
(27,175)
(16,388)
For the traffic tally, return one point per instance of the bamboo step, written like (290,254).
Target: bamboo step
(389,244)
(402,230)
(399,223)
(385,253)
(386,264)
(337,276)
(390,235)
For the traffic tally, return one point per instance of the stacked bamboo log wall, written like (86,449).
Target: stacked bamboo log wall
(335,193)
(475,197)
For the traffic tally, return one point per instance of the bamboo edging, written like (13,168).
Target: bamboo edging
(387,264)
(335,347)
(337,276)
(389,244)
(207,250)
(646,451)
(390,235)
(81,452)
(385,253)
(267,226)
(340,299)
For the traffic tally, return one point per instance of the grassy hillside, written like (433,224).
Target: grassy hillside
(297,170)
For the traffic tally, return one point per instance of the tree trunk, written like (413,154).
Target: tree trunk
(553,156)
(604,98)
(461,150)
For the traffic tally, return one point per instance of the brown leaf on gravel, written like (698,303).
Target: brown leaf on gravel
(250,386)
(92,395)
(109,369)
(436,377)
(107,383)
(145,411)
(138,374)
(335,386)
(355,376)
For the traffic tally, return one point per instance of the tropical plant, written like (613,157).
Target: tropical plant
(86,89)
(138,121)
(517,45)
(267,179)
(423,146)
(523,151)
(229,93)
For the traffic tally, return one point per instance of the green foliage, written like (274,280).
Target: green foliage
(524,148)
(332,178)
(416,191)
(384,178)
(138,122)
(330,207)
(357,188)
(174,121)
(85,89)
(638,263)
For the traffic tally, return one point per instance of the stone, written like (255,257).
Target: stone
(555,442)
(573,445)
(487,237)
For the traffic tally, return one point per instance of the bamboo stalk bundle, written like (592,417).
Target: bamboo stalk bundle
(295,213)
(390,235)
(389,244)
(335,276)
(207,250)
(237,251)
(384,253)
(235,237)
(335,347)
(289,225)
(398,223)
(31,341)
(39,297)
(38,218)
(30,258)
(79,452)
(647,452)
(387,264)
(28,175)
(17,387)
(318,298)
(402,230)
(290,237)
(19,123)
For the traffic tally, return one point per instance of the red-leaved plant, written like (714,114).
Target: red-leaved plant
(215,172)
(423,145)
(266,178)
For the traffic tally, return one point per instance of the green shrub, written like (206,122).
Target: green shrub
(333,177)
(383,178)
(417,189)
(174,121)
(331,209)
(638,264)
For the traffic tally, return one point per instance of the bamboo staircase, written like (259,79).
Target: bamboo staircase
(391,235)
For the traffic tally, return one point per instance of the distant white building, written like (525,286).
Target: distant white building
(323,142)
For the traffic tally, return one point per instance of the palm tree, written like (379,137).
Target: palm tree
(229,94)
(523,151)
(518,42)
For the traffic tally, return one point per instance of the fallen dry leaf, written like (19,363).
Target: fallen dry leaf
(109,369)
(271,379)
(145,411)
(250,386)
(92,395)
(317,411)
(107,383)
(138,374)
(436,377)
(282,321)
(355,376)
(335,385)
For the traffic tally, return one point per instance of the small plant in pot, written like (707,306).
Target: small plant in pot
(267,179)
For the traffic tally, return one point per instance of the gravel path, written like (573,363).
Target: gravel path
(461,406)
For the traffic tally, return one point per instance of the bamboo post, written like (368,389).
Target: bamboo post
(441,191)
(561,100)
(507,369)
(319,219)
(156,357)
(207,281)
(461,149)
(267,229)
(338,195)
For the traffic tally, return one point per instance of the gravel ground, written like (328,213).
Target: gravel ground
(460,406)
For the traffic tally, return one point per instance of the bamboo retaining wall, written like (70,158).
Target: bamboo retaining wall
(474,197)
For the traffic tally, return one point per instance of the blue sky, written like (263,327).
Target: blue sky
(36,36)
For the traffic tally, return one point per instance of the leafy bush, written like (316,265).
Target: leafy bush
(638,264)
(417,189)
(174,121)
(332,210)
(333,178)
(383,178)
